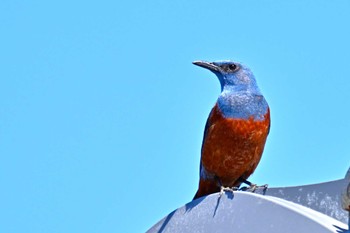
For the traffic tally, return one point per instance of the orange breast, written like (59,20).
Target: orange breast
(232,148)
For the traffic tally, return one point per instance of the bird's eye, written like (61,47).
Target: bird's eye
(229,68)
(232,67)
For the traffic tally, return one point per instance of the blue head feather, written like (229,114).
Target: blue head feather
(240,96)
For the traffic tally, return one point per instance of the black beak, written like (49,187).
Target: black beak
(207,65)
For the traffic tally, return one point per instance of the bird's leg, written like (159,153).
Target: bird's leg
(245,188)
(241,179)
(223,188)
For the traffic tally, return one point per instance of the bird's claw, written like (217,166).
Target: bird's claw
(228,189)
(253,187)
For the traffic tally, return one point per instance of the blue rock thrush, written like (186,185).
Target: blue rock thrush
(236,130)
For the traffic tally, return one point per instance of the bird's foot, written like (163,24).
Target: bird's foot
(227,189)
(253,188)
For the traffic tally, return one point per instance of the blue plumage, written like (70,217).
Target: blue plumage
(240,96)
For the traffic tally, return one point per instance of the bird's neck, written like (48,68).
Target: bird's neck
(242,102)
(241,89)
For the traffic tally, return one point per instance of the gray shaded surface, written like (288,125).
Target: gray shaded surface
(322,197)
(246,212)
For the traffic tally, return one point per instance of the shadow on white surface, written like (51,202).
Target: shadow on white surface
(308,208)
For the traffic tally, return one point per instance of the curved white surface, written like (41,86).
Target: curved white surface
(246,212)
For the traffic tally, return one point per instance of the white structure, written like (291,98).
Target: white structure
(308,208)
(346,195)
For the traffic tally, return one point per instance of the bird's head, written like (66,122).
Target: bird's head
(230,73)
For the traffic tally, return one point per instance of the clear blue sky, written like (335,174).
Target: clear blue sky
(102,113)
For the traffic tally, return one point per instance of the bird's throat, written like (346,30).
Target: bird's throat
(242,105)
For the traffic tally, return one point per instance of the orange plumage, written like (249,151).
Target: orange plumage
(232,149)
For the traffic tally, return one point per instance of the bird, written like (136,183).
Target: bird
(236,129)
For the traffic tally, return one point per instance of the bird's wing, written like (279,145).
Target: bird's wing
(207,125)
(268,131)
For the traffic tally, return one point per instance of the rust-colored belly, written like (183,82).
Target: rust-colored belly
(233,148)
